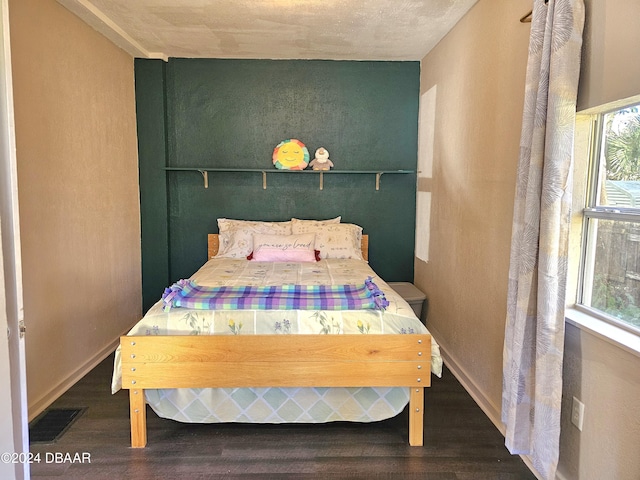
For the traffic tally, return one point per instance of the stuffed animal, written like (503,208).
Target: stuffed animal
(321,162)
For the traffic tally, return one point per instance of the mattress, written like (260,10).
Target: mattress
(280,405)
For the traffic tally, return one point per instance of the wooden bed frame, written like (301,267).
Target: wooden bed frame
(217,361)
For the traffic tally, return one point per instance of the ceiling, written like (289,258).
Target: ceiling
(273,29)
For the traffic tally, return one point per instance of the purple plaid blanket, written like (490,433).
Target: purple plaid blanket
(187,294)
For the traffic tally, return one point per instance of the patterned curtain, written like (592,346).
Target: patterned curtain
(534,334)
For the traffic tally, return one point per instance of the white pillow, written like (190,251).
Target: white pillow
(236,236)
(309,225)
(335,240)
(225,224)
(284,248)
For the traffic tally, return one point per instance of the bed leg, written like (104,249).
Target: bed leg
(138,415)
(416,417)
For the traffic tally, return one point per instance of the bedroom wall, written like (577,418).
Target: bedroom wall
(601,373)
(232,113)
(477,73)
(78,194)
(610,67)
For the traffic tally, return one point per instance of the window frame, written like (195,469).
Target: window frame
(592,211)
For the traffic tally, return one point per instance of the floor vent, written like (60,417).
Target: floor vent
(50,425)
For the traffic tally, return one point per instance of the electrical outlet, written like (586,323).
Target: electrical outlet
(577,413)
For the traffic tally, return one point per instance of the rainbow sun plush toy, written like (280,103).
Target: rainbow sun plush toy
(291,155)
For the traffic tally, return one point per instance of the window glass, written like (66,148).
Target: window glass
(620,159)
(616,270)
(611,257)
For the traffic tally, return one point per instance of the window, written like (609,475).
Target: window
(610,273)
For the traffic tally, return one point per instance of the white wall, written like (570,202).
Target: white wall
(7,425)
(13,431)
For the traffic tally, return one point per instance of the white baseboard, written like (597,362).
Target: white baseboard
(38,406)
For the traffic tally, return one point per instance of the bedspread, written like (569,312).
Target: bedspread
(278,405)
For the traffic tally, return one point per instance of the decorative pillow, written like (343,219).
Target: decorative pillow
(284,248)
(236,236)
(225,224)
(308,226)
(316,252)
(336,240)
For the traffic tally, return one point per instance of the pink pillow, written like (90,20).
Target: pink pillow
(277,255)
(316,253)
(284,248)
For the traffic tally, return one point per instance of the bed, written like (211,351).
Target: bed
(272,366)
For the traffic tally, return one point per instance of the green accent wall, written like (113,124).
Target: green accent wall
(232,113)
(152,158)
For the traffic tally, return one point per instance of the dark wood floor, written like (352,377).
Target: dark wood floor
(460,443)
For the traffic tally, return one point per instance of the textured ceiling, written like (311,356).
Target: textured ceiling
(275,29)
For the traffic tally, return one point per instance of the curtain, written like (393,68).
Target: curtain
(534,332)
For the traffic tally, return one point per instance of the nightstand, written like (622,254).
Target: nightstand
(413,296)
